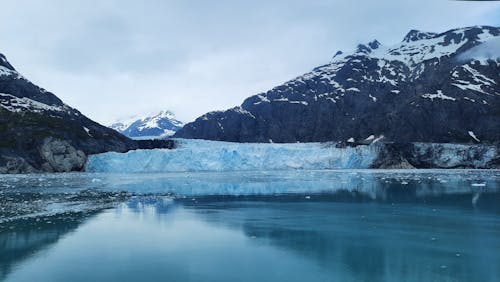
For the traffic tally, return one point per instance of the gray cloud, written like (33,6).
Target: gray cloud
(487,50)
(196,56)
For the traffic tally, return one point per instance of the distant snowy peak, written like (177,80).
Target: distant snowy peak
(159,124)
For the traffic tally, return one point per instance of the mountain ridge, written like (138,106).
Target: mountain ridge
(40,133)
(415,91)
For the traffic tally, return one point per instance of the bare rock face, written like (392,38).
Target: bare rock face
(16,165)
(437,155)
(392,156)
(60,156)
(425,155)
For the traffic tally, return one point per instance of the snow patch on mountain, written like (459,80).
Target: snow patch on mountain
(467,78)
(438,95)
(12,103)
(4,72)
(471,133)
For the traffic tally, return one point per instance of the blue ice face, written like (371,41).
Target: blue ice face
(201,155)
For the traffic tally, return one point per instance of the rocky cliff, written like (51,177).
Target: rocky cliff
(39,133)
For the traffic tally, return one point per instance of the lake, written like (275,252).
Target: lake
(334,225)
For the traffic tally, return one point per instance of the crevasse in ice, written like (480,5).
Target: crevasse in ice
(202,155)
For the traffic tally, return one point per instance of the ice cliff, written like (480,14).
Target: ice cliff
(201,155)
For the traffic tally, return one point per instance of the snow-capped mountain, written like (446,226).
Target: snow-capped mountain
(38,132)
(160,124)
(429,88)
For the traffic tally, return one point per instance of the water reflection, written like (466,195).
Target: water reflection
(259,226)
(372,184)
(24,239)
(322,240)
(360,242)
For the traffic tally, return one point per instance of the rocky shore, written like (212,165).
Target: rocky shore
(437,155)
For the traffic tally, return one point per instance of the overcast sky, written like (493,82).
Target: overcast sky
(116,58)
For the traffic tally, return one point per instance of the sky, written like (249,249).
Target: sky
(117,58)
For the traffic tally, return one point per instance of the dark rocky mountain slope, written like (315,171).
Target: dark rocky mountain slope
(442,88)
(39,133)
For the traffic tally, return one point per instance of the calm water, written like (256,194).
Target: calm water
(252,226)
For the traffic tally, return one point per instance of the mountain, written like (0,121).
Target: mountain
(149,125)
(431,87)
(39,133)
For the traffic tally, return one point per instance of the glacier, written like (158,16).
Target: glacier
(203,155)
(192,155)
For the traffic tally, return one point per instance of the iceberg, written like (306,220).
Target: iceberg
(202,155)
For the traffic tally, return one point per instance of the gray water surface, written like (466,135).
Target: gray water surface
(252,226)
